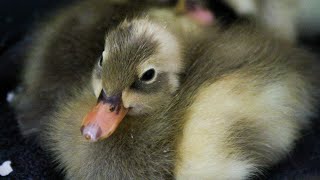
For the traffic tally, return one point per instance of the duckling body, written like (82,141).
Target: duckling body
(247,105)
(64,53)
(235,106)
(233,115)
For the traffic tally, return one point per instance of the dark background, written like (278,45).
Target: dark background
(17,17)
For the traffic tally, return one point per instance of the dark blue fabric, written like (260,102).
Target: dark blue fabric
(29,161)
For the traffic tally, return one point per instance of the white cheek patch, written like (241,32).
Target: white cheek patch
(96,85)
(105,54)
(169,52)
(174,82)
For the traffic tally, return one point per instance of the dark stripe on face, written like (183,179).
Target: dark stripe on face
(126,52)
(124,46)
(161,82)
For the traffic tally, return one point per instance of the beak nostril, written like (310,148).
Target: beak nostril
(112,108)
(87,137)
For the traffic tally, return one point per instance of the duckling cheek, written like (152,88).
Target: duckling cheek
(129,98)
(96,85)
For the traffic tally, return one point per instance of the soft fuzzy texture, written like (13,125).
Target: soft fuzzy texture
(30,161)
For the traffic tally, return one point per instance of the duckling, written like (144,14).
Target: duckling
(59,69)
(65,50)
(288,19)
(228,105)
(247,109)
(239,106)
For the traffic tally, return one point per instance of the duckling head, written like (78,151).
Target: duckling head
(137,74)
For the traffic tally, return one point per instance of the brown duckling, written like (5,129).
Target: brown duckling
(65,52)
(139,93)
(228,104)
(241,103)
(54,69)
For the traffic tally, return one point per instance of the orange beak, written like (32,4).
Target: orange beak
(104,118)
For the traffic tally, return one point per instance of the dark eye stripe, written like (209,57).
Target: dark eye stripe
(160,83)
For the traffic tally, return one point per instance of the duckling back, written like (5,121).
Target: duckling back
(242,103)
(246,96)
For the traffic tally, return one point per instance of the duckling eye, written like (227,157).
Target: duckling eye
(100,61)
(148,75)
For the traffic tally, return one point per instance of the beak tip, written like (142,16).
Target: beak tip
(90,137)
(87,137)
(91,133)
